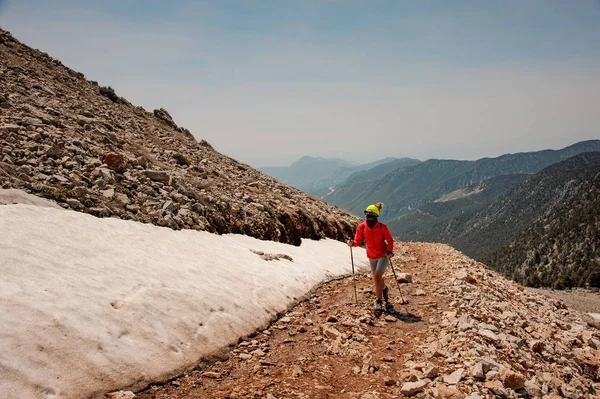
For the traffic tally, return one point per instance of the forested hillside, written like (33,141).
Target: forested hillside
(536,198)
(406,188)
(439,221)
(561,249)
(356,183)
(543,232)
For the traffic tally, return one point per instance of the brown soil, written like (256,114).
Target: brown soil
(302,360)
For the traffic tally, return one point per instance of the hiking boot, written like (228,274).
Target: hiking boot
(378,308)
(389,308)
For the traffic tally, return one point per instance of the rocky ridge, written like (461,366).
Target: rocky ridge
(68,139)
(466,333)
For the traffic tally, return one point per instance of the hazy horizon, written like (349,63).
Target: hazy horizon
(425,159)
(267,82)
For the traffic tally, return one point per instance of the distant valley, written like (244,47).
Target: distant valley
(320,176)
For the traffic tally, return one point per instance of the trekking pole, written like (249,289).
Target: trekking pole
(353,279)
(397,283)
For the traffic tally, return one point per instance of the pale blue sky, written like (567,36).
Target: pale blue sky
(267,82)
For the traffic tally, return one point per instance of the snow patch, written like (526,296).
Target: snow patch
(93,305)
(15,196)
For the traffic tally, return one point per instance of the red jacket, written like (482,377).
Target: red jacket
(376,247)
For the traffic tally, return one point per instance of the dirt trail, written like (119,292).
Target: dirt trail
(327,346)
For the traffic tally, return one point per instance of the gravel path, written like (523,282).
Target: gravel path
(465,333)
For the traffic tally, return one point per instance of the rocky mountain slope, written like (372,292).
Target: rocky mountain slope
(316,175)
(71,140)
(407,188)
(465,333)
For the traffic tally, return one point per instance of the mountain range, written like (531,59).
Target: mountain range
(318,176)
(406,188)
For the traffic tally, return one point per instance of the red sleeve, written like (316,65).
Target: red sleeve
(358,238)
(388,238)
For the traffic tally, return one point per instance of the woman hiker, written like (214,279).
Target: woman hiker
(380,245)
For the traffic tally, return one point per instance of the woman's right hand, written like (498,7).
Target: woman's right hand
(350,243)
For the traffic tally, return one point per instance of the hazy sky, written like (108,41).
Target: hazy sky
(268,81)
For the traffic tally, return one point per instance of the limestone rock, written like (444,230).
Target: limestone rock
(412,388)
(405,278)
(115,161)
(477,371)
(297,371)
(163,115)
(510,379)
(431,372)
(9,127)
(465,323)
(258,353)
(121,199)
(465,276)
(446,392)
(455,377)
(54,151)
(489,335)
(533,389)
(75,138)
(537,346)
(331,332)
(593,320)
(496,387)
(110,193)
(120,395)
(157,175)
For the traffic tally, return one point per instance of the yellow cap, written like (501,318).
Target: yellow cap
(372,209)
